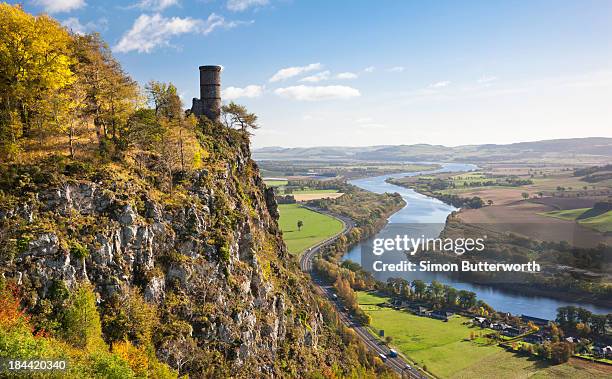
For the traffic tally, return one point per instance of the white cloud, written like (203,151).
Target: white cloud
(232,93)
(314,93)
(290,72)
(441,84)
(397,69)
(242,5)
(487,79)
(369,69)
(319,76)
(156,5)
(149,32)
(368,123)
(372,126)
(346,75)
(77,27)
(57,6)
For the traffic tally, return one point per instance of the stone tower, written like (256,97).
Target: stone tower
(209,103)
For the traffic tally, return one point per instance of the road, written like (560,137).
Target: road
(399,365)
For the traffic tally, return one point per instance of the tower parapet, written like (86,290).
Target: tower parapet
(209,103)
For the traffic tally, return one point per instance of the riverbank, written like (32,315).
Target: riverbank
(424,209)
(534,290)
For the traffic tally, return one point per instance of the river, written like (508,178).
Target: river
(430,212)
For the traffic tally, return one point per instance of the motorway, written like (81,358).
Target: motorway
(398,364)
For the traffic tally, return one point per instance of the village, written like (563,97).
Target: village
(524,334)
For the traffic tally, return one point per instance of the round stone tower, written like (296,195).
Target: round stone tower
(210,92)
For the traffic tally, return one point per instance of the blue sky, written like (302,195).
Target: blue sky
(375,72)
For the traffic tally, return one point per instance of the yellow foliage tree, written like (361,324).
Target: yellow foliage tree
(35,62)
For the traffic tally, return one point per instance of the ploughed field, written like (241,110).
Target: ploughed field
(316,227)
(551,193)
(446,350)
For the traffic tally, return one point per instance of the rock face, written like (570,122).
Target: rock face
(215,243)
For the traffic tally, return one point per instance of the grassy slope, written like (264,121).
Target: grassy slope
(317,227)
(602,222)
(568,214)
(441,346)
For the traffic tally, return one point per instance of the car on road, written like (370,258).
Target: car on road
(383,357)
(392,353)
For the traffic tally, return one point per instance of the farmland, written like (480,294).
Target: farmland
(446,350)
(601,222)
(300,169)
(538,202)
(301,193)
(316,227)
(275,182)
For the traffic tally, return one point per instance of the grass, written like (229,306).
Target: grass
(468,178)
(445,349)
(602,222)
(275,183)
(568,214)
(305,191)
(310,191)
(317,227)
(440,346)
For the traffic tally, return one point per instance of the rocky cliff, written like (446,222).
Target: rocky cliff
(207,252)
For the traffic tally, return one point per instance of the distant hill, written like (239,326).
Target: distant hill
(576,150)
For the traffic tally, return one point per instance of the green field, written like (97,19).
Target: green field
(305,191)
(317,227)
(468,178)
(313,191)
(602,222)
(275,183)
(567,214)
(445,349)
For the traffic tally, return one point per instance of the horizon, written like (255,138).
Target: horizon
(429,144)
(436,73)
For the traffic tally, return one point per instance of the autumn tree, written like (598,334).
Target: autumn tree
(129,317)
(561,352)
(35,64)
(111,96)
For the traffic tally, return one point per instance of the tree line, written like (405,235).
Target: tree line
(582,322)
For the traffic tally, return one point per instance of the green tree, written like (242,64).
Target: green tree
(419,287)
(237,116)
(81,322)
(467,299)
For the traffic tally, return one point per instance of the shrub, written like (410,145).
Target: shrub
(78,250)
(109,366)
(224,252)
